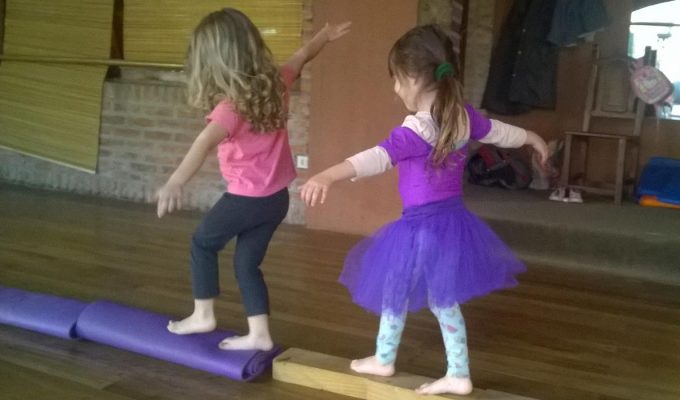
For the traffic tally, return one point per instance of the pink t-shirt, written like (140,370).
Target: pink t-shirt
(253,164)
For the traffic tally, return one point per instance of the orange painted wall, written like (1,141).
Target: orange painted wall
(353,107)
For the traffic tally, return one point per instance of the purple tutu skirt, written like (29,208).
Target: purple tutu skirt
(435,255)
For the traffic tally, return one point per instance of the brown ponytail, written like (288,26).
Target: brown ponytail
(419,53)
(449,114)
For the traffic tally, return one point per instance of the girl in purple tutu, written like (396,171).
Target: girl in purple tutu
(438,254)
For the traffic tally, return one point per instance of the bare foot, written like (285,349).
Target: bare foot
(248,342)
(371,366)
(447,384)
(192,324)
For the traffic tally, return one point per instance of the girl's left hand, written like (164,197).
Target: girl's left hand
(336,31)
(315,189)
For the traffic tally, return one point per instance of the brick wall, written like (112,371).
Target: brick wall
(478,35)
(447,13)
(478,46)
(146,128)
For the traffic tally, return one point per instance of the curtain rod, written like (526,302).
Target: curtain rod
(88,61)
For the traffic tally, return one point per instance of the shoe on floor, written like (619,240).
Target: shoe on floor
(558,194)
(575,196)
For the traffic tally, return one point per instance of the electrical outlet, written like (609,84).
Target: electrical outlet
(302,161)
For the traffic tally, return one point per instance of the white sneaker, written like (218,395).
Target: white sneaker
(558,194)
(574,196)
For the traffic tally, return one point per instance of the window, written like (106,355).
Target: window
(658,26)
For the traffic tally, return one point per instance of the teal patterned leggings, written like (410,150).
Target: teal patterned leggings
(452,326)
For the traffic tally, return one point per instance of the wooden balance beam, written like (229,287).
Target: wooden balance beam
(332,374)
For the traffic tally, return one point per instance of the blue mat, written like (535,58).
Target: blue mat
(661,178)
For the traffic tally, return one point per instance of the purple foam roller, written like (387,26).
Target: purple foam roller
(39,312)
(145,332)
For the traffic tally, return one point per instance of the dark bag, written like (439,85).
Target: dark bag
(492,166)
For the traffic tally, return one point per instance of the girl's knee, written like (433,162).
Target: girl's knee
(247,272)
(200,240)
(446,312)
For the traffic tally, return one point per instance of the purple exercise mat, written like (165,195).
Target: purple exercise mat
(145,332)
(43,313)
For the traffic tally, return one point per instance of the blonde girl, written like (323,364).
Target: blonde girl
(231,72)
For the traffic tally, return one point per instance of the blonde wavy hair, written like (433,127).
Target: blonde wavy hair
(228,60)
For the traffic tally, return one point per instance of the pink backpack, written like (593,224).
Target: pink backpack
(651,85)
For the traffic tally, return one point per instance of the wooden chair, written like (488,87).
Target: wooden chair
(609,95)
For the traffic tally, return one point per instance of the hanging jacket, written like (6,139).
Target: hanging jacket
(523,67)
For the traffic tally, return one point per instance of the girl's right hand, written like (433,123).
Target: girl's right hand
(315,189)
(169,198)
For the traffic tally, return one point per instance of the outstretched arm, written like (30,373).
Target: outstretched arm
(311,49)
(169,196)
(315,189)
(510,136)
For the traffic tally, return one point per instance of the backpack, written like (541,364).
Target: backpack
(651,85)
(492,166)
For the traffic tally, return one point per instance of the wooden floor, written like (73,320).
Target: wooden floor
(559,335)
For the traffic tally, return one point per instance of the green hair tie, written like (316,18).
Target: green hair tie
(443,70)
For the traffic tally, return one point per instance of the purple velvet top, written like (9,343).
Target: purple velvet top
(419,181)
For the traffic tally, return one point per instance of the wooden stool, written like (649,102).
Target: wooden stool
(616,190)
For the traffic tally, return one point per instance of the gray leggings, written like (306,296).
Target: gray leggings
(252,220)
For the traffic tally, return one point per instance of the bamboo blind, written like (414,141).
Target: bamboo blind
(159,30)
(2,24)
(50,110)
